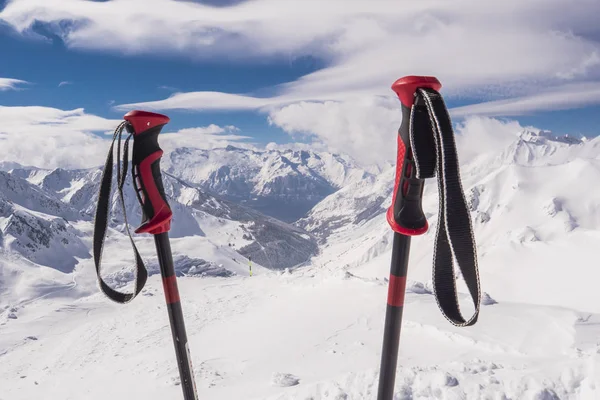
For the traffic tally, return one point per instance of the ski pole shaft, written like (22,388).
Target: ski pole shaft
(165,259)
(157,216)
(393,316)
(406,218)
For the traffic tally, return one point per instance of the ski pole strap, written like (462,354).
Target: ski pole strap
(101,219)
(434,152)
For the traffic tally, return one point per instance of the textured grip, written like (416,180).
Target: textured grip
(145,167)
(405,215)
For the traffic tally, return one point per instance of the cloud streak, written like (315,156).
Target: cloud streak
(204,137)
(557,98)
(11,84)
(214,101)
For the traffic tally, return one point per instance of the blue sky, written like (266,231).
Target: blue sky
(272,69)
(97,80)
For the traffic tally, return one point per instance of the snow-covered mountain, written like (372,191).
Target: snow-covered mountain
(18,190)
(198,183)
(79,190)
(283,184)
(46,218)
(519,193)
(37,226)
(266,240)
(495,180)
(535,192)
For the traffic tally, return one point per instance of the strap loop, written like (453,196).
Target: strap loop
(434,152)
(101,219)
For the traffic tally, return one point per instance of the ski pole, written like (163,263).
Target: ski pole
(150,192)
(145,127)
(250,265)
(426,148)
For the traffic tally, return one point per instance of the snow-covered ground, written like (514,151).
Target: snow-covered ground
(322,328)
(314,332)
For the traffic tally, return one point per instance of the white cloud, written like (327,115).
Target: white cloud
(49,138)
(10,84)
(314,145)
(477,135)
(206,137)
(211,129)
(365,129)
(169,88)
(213,101)
(203,101)
(63,83)
(556,98)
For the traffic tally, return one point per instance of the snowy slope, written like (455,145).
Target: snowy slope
(283,184)
(312,336)
(46,224)
(17,190)
(270,242)
(79,189)
(41,238)
(525,189)
(37,227)
(535,223)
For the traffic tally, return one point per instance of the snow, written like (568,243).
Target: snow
(325,331)
(314,331)
(284,380)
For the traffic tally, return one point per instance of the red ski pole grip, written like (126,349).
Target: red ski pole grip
(407,86)
(147,176)
(405,215)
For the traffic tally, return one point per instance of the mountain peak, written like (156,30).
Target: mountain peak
(544,136)
(542,147)
(283,183)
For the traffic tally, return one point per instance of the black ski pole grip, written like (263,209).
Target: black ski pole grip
(145,167)
(405,215)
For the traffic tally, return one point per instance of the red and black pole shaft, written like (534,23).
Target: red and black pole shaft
(406,218)
(157,216)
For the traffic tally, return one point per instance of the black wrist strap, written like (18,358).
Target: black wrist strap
(434,152)
(101,219)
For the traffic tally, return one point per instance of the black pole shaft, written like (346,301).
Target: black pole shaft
(393,316)
(165,259)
